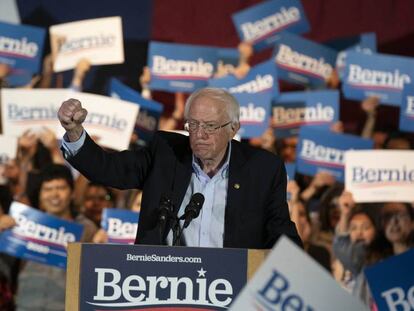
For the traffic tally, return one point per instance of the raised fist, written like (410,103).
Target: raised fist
(71,116)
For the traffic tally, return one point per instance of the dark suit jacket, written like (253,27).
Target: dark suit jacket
(256,212)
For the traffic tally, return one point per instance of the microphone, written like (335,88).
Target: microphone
(165,212)
(192,210)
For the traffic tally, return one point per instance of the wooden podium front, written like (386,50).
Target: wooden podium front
(133,277)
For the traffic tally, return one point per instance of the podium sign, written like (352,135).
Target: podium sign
(132,277)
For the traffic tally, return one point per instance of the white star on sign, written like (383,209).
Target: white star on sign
(201,273)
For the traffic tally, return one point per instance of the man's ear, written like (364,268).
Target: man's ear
(235,128)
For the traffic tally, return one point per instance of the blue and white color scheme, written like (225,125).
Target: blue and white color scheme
(159,278)
(302,61)
(262,78)
(290,111)
(258,24)
(227,60)
(149,112)
(380,75)
(364,43)
(322,150)
(21,47)
(254,113)
(407,109)
(121,225)
(180,67)
(290,170)
(38,236)
(388,178)
(291,280)
(392,282)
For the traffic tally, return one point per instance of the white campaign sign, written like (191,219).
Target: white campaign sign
(110,120)
(98,40)
(380,175)
(8,148)
(290,280)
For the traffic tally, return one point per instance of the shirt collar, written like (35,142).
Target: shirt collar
(223,171)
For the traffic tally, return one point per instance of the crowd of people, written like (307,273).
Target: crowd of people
(344,237)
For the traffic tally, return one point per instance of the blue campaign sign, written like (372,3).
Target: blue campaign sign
(158,278)
(364,43)
(392,282)
(290,170)
(254,113)
(227,60)
(290,111)
(380,75)
(121,225)
(180,67)
(322,150)
(149,110)
(407,109)
(260,23)
(38,236)
(261,78)
(302,61)
(21,46)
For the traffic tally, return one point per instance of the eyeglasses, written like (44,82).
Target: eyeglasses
(209,128)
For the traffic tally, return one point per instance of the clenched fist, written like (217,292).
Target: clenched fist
(71,115)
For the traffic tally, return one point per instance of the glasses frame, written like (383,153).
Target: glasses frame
(203,126)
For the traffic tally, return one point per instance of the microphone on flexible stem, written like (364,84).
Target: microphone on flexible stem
(192,210)
(165,212)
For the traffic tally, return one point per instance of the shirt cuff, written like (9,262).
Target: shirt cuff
(70,149)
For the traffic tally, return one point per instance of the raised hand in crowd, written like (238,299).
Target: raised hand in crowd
(333,80)
(100,237)
(245,52)
(48,138)
(144,81)
(293,190)
(369,105)
(79,73)
(71,115)
(337,127)
(4,72)
(171,123)
(47,72)
(6,222)
(346,204)
(320,180)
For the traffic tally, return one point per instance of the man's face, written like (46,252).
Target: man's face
(96,199)
(54,197)
(209,147)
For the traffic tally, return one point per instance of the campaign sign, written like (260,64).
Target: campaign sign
(392,282)
(322,150)
(180,67)
(121,225)
(38,236)
(407,109)
(8,148)
(380,75)
(31,109)
(302,61)
(254,113)
(110,121)
(98,40)
(9,12)
(260,78)
(289,279)
(390,178)
(290,170)
(227,61)
(290,111)
(364,43)
(258,24)
(21,47)
(149,111)
(132,277)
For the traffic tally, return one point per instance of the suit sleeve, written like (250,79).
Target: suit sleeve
(123,170)
(277,211)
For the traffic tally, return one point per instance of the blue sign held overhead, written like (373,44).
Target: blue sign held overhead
(317,109)
(38,236)
(321,150)
(21,47)
(260,23)
(302,61)
(407,109)
(149,110)
(380,75)
(121,225)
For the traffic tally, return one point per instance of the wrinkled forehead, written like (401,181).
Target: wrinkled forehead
(206,107)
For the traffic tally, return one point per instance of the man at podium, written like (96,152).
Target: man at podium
(244,188)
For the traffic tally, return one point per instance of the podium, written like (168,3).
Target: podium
(134,277)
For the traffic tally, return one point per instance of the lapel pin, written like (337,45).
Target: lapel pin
(236,186)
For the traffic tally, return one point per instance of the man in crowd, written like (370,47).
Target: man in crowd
(244,187)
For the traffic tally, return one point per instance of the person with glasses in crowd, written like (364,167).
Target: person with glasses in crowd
(244,187)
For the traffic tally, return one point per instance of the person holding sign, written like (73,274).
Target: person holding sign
(244,187)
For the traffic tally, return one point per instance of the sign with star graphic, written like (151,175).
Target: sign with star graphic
(155,277)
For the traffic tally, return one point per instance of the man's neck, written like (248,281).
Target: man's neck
(211,166)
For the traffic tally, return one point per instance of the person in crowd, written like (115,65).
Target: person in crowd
(42,287)
(244,188)
(398,141)
(97,197)
(358,242)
